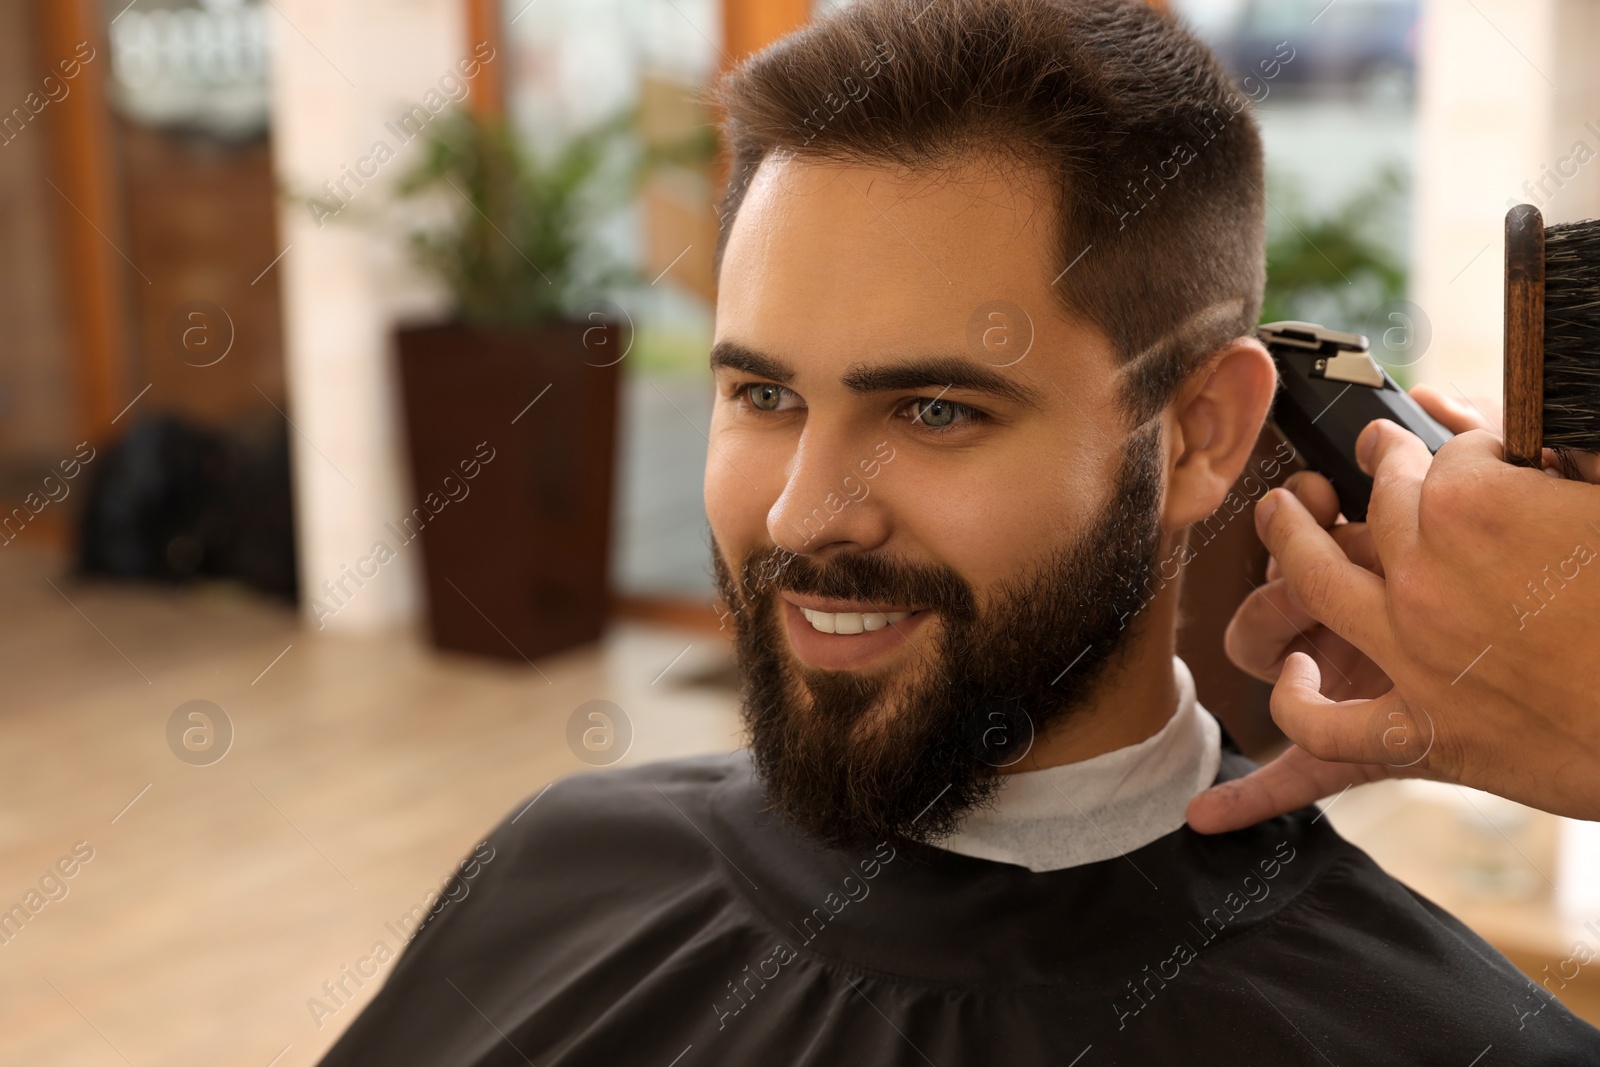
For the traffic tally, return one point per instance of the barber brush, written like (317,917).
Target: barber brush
(1552,338)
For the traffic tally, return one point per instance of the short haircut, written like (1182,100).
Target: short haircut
(1157,159)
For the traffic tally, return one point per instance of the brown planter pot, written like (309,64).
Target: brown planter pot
(512,503)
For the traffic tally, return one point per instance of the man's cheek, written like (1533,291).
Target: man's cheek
(737,521)
(744,472)
(980,539)
(727,514)
(720,498)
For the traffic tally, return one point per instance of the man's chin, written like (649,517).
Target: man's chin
(870,729)
(849,762)
(857,804)
(878,698)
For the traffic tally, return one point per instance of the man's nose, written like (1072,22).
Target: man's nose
(828,504)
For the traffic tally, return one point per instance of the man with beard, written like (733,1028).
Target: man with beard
(987,276)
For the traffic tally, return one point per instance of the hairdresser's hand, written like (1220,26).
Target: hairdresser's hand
(1457,537)
(1270,623)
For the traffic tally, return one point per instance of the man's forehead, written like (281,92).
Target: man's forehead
(974,176)
(953,199)
(836,264)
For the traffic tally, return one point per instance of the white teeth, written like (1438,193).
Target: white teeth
(852,622)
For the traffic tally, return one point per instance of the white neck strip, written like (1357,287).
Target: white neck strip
(1100,808)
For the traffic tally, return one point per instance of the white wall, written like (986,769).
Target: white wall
(1506,89)
(340,72)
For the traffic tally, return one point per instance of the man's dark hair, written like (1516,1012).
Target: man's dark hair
(1156,158)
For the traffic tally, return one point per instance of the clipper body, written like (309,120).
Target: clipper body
(1330,389)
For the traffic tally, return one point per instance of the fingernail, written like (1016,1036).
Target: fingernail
(1265,509)
(1364,446)
(1293,480)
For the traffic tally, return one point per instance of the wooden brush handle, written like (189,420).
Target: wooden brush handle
(1524,341)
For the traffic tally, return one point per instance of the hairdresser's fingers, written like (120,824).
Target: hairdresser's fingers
(1264,626)
(1384,731)
(1356,541)
(1479,451)
(1319,498)
(1287,784)
(1273,607)
(1455,413)
(1345,597)
(1397,461)
(1317,494)
(1587,464)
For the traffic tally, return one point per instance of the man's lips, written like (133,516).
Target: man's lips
(830,615)
(823,603)
(843,634)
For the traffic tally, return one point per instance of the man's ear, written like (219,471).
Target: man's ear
(1213,425)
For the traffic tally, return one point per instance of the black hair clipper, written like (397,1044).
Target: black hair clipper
(1330,389)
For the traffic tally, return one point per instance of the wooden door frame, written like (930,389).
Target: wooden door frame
(89,222)
(487,88)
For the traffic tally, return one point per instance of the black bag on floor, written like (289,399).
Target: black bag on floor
(175,502)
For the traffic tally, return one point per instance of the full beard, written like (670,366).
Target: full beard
(852,758)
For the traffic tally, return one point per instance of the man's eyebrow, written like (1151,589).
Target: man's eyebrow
(945,372)
(941,372)
(735,356)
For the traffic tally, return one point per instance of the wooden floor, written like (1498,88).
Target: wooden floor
(220,898)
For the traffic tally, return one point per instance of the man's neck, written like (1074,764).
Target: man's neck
(1132,701)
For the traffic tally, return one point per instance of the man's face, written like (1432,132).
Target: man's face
(929,519)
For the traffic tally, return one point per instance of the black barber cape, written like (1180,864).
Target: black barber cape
(658,917)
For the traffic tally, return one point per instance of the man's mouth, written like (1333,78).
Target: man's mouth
(846,635)
(852,622)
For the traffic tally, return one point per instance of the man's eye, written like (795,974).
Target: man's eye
(938,413)
(764,396)
(935,412)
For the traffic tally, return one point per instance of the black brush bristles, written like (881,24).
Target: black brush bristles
(1572,336)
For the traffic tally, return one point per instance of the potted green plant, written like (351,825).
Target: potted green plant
(511,405)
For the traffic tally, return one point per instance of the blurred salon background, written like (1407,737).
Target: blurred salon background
(353,412)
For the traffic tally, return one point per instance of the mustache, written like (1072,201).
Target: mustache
(868,577)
